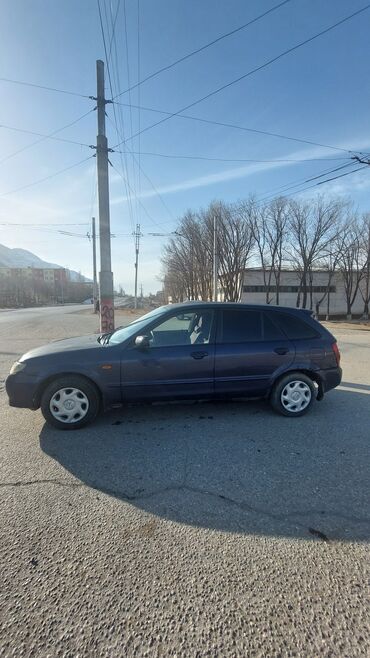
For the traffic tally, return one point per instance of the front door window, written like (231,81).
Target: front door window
(184,329)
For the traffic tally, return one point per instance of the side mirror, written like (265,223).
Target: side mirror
(142,342)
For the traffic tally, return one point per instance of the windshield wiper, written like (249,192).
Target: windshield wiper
(103,339)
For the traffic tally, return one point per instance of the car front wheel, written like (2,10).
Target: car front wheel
(70,402)
(293,395)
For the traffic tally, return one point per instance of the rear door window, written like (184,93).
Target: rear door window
(294,328)
(241,326)
(271,331)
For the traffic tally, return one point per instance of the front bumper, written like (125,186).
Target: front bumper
(22,391)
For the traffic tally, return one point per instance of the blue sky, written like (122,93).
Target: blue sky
(319,92)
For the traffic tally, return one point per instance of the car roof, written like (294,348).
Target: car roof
(238,305)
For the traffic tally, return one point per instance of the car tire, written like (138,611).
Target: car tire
(293,395)
(70,402)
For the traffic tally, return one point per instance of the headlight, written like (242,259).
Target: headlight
(17,367)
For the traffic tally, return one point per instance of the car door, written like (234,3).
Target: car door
(179,362)
(250,351)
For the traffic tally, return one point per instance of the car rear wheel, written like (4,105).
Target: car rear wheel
(293,395)
(70,402)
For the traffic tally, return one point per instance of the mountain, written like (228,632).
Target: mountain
(24,258)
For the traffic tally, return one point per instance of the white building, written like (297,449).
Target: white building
(254,291)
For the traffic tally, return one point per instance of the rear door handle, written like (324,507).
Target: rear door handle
(281,350)
(198,355)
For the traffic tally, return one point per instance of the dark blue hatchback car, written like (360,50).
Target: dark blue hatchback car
(182,351)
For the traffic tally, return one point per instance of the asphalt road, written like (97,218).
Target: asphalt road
(185,530)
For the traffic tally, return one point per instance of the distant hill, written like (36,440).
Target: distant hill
(24,258)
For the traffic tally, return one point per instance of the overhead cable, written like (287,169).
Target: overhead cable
(113,30)
(43,137)
(113,41)
(281,191)
(252,71)
(46,178)
(213,159)
(238,127)
(305,189)
(201,49)
(341,175)
(32,84)
(139,200)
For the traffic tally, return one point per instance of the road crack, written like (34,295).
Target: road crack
(241,505)
(28,483)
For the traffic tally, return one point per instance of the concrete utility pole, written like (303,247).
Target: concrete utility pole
(215,259)
(137,235)
(95,287)
(105,274)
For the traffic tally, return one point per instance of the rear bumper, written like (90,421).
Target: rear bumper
(330,378)
(21,392)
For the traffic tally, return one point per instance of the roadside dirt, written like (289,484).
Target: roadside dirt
(357,325)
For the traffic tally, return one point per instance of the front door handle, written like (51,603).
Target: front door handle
(198,355)
(281,350)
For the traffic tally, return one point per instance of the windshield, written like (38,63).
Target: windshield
(134,327)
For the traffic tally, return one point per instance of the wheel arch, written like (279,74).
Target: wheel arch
(45,383)
(312,374)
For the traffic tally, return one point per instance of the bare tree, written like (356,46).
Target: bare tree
(313,228)
(365,287)
(234,242)
(330,265)
(186,262)
(351,263)
(188,257)
(269,225)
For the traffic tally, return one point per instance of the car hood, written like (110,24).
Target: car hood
(65,345)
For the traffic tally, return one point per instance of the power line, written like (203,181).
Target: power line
(238,127)
(283,189)
(43,137)
(130,113)
(33,132)
(103,36)
(42,180)
(113,41)
(139,200)
(149,181)
(45,225)
(138,95)
(362,160)
(113,29)
(305,189)
(32,84)
(341,175)
(202,48)
(46,229)
(252,71)
(94,192)
(212,159)
(301,181)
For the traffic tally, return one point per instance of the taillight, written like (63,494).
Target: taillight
(336,352)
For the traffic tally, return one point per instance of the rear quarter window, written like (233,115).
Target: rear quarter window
(293,327)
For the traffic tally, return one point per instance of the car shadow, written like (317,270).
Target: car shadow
(235,467)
